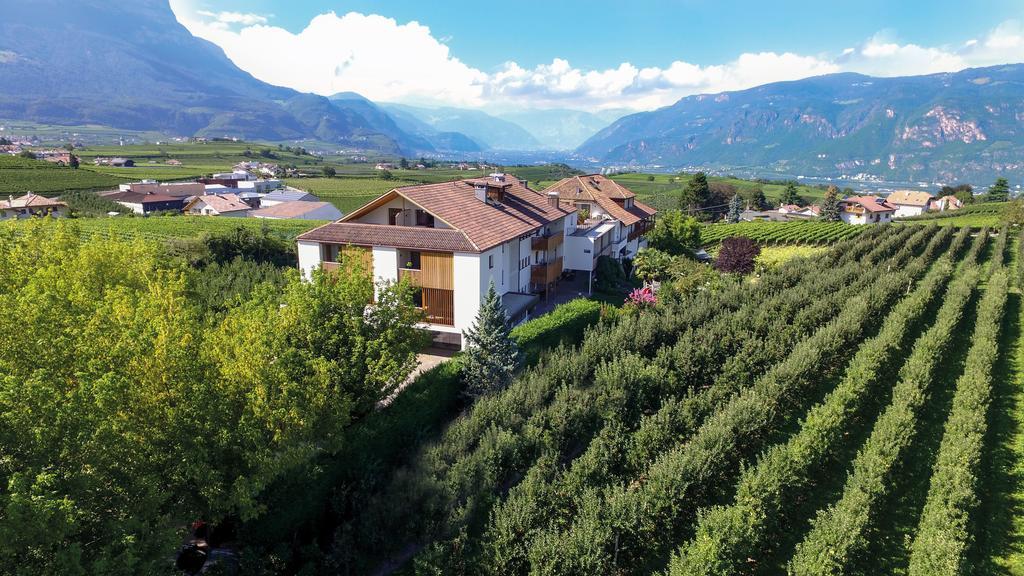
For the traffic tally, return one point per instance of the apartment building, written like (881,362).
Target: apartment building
(453,239)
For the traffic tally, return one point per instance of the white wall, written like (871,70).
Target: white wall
(579,253)
(385,263)
(309,257)
(904,211)
(468,270)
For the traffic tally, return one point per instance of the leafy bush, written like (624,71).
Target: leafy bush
(675,233)
(737,255)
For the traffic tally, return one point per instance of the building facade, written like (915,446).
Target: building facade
(453,240)
(865,210)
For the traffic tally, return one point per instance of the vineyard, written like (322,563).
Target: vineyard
(163,228)
(21,175)
(773,233)
(831,418)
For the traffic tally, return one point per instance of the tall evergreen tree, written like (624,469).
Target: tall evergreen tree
(735,208)
(790,195)
(491,354)
(696,193)
(830,205)
(999,191)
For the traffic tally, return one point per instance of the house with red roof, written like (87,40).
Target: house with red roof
(866,210)
(612,222)
(218,205)
(453,239)
(31,205)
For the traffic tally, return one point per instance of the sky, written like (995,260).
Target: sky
(598,54)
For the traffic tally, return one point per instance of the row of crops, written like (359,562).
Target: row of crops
(163,228)
(759,429)
(800,232)
(21,175)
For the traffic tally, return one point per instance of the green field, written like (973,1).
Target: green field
(663,190)
(976,215)
(782,233)
(20,175)
(163,228)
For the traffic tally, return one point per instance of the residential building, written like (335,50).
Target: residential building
(259,186)
(944,203)
(177,189)
(299,211)
(612,222)
(288,195)
(236,175)
(909,202)
(865,210)
(141,203)
(453,239)
(114,162)
(31,205)
(218,205)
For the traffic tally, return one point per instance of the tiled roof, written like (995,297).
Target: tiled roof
(290,195)
(31,200)
(222,202)
(909,198)
(603,191)
(140,198)
(484,224)
(870,203)
(408,237)
(291,209)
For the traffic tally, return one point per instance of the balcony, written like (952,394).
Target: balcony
(413,275)
(547,242)
(330,267)
(546,273)
(641,228)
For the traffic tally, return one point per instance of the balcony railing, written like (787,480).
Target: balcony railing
(548,242)
(414,275)
(641,228)
(547,272)
(330,267)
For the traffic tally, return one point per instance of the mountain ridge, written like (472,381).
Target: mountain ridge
(948,126)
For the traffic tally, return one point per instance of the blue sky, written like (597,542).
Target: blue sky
(636,54)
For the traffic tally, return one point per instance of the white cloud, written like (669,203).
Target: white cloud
(390,61)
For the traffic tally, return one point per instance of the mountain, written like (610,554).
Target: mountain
(941,127)
(481,127)
(132,65)
(450,141)
(561,129)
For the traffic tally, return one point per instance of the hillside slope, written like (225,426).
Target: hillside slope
(964,125)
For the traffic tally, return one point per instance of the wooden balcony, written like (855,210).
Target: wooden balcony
(411,274)
(547,273)
(641,228)
(549,242)
(436,270)
(330,267)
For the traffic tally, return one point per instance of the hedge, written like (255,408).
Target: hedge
(565,324)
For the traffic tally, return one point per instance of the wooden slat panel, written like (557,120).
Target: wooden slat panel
(437,270)
(439,306)
(362,254)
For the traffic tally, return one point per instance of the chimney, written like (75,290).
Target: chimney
(481,192)
(553,199)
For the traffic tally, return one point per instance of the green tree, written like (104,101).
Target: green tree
(652,265)
(74,162)
(790,195)
(830,205)
(964,192)
(386,175)
(675,233)
(999,191)
(403,164)
(735,208)
(27,154)
(755,198)
(696,193)
(330,172)
(491,355)
(1014,213)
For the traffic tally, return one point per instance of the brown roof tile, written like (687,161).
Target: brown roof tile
(292,209)
(909,198)
(604,191)
(408,237)
(870,203)
(484,224)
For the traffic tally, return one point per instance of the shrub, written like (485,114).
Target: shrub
(737,255)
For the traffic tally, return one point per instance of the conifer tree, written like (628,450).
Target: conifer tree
(790,195)
(491,354)
(830,205)
(999,191)
(697,192)
(735,208)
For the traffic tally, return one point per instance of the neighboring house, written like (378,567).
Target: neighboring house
(909,202)
(945,203)
(794,212)
(115,162)
(453,239)
(236,175)
(384,166)
(140,203)
(865,210)
(31,205)
(601,201)
(218,205)
(58,158)
(280,196)
(299,211)
(177,189)
(259,186)
(764,216)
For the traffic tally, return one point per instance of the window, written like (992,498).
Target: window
(417,298)
(423,218)
(413,262)
(490,261)
(394,215)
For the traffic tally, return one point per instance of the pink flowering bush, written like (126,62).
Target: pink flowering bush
(642,297)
